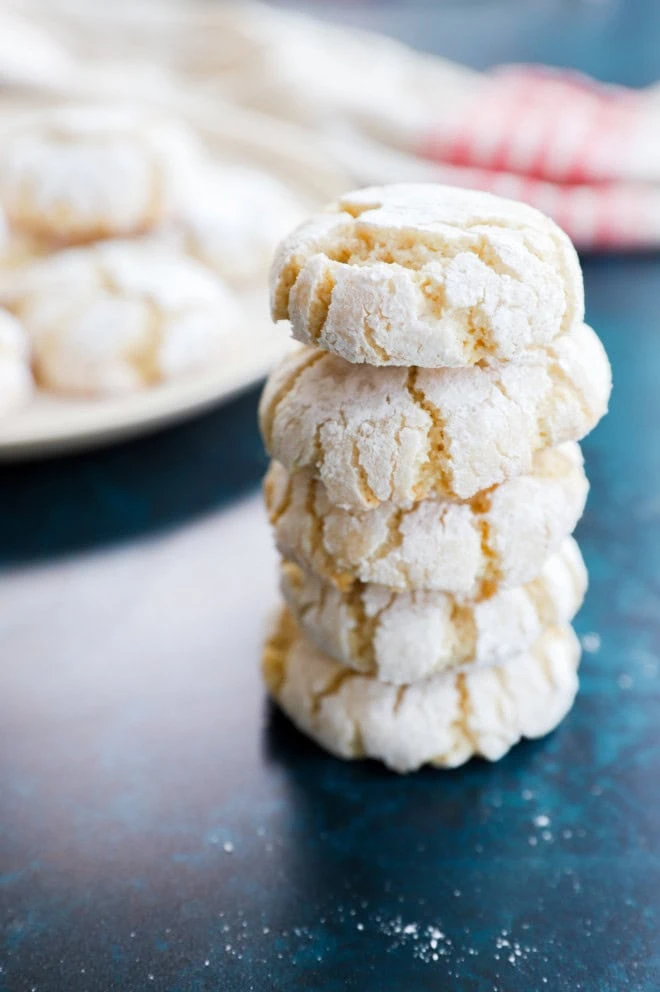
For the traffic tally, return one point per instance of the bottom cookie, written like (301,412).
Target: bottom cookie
(443,720)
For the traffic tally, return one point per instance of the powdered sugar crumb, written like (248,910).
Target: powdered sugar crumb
(591,642)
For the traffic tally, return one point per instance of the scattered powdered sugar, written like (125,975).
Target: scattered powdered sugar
(431,944)
(591,642)
(542,821)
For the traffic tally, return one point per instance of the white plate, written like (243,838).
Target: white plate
(52,424)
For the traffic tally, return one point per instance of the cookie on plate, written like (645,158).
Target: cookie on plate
(402,435)
(80,173)
(443,720)
(498,539)
(427,275)
(15,375)
(121,315)
(232,219)
(400,637)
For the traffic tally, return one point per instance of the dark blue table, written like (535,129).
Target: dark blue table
(161,828)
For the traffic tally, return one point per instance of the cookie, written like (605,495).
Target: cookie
(498,539)
(15,249)
(232,220)
(443,720)
(401,637)
(4,234)
(401,435)
(427,275)
(81,173)
(15,375)
(118,316)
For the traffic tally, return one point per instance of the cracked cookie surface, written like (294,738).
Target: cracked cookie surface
(499,538)
(443,720)
(76,174)
(402,435)
(400,637)
(119,316)
(427,275)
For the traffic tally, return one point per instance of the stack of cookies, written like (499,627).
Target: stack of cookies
(426,476)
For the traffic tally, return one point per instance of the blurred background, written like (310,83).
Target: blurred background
(161,828)
(264,113)
(589,35)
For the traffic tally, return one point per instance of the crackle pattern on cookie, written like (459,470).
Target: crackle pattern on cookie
(15,375)
(427,275)
(400,637)
(118,316)
(499,538)
(401,435)
(443,720)
(78,174)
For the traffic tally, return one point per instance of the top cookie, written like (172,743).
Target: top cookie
(401,435)
(77,174)
(427,275)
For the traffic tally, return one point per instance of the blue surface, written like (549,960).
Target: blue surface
(114,820)
(61,505)
(136,855)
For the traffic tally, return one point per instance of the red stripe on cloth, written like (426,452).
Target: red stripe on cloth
(622,218)
(550,106)
(602,215)
(456,147)
(553,113)
(512,104)
(611,123)
(577,169)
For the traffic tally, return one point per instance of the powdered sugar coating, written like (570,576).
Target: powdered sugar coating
(499,539)
(400,435)
(4,233)
(401,637)
(232,219)
(443,720)
(427,275)
(15,376)
(118,316)
(80,173)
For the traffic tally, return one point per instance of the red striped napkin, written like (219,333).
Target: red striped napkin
(585,153)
